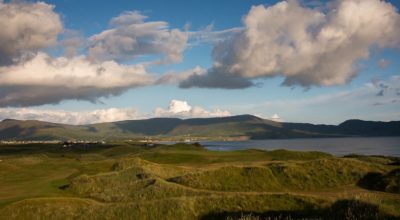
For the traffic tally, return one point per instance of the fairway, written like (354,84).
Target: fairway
(186,181)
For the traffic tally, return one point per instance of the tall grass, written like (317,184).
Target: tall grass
(310,175)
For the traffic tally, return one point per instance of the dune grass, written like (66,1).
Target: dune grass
(310,175)
(130,181)
(172,208)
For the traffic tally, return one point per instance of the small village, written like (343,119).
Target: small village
(63,143)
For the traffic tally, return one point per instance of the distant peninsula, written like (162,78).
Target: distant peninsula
(240,127)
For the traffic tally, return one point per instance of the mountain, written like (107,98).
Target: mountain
(234,127)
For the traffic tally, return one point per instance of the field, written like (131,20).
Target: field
(182,181)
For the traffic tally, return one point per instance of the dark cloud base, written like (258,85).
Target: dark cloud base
(24,96)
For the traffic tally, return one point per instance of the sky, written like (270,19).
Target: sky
(80,62)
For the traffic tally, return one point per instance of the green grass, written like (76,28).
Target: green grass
(130,181)
(184,155)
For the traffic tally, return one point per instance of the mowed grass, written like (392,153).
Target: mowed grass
(195,156)
(38,175)
(131,181)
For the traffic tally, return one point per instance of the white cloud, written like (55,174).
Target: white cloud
(276,118)
(178,109)
(26,28)
(44,79)
(30,77)
(182,109)
(305,45)
(131,36)
(176,106)
(65,117)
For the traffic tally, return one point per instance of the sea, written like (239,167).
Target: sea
(386,146)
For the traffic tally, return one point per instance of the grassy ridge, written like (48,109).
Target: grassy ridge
(310,175)
(129,181)
(175,208)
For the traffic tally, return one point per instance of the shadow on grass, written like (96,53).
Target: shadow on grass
(51,149)
(389,182)
(64,187)
(371,181)
(340,210)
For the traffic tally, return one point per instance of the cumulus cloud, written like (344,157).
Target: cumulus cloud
(44,79)
(276,118)
(182,109)
(26,28)
(30,77)
(307,46)
(131,36)
(179,109)
(65,117)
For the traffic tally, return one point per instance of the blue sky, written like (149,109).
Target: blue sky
(348,94)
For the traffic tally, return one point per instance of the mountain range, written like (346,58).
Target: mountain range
(220,128)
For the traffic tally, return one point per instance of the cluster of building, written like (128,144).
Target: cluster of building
(28,142)
(63,143)
(82,143)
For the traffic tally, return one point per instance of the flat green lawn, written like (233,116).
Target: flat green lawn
(130,181)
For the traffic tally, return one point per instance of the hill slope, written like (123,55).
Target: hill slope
(241,126)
